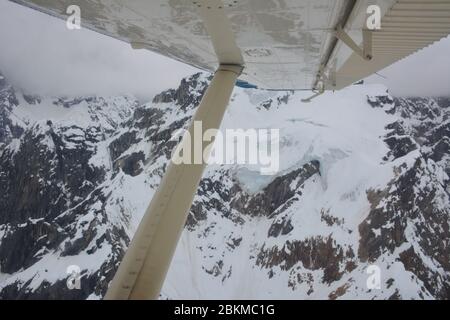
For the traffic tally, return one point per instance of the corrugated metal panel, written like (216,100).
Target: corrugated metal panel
(408,26)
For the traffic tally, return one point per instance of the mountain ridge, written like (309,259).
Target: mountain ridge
(363,181)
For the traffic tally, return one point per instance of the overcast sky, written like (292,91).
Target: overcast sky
(39,54)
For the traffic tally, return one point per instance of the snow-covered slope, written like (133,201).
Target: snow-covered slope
(363,181)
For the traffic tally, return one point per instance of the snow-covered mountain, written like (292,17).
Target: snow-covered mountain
(363,182)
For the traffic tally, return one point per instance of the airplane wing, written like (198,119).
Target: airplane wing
(283,44)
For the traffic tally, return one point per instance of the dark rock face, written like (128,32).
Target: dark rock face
(48,183)
(277,193)
(8,100)
(183,96)
(400,146)
(282,227)
(32,99)
(413,208)
(45,161)
(16,257)
(314,253)
(276,102)
(411,205)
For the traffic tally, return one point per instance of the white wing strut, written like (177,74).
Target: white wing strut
(143,269)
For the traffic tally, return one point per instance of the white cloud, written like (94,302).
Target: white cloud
(38,53)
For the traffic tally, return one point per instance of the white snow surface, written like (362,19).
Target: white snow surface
(343,132)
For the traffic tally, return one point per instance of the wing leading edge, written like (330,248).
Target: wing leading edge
(287,44)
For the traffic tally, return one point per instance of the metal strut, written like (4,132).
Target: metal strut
(144,267)
(320,87)
(318,93)
(366,51)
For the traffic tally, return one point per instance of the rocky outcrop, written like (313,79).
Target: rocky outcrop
(49,182)
(187,95)
(312,254)
(413,208)
(276,193)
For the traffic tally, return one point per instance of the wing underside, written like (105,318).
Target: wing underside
(283,44)
(406,27)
